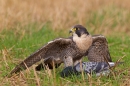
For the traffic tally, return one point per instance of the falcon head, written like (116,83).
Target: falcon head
(79,30)
(81,37)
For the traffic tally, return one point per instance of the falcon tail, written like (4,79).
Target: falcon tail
(32,59)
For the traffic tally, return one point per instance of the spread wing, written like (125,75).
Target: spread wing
(99,51)
(52,49)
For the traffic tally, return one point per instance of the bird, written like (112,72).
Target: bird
(99,51)
(60,50)
(99,59)
(98,68)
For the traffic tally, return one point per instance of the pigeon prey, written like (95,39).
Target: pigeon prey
(61,50)
(88,67)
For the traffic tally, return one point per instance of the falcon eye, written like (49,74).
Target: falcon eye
(77,29)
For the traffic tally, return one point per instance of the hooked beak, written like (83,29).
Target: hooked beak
(70,31)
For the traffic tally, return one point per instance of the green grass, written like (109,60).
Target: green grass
(17,44)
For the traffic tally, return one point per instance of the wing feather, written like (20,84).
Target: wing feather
(45,52)
(99,50)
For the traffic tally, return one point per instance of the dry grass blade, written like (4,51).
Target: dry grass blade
(4,53)
(82,72)
(89,79)
(66,80)
(118,61)
(106,84)
(26,67)
(113,74)
(48,72)
(36,77)
(54,74)
(106,61)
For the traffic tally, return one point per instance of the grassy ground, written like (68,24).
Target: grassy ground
(17,45)
(26,25)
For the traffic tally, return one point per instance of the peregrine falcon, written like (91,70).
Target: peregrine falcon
(99,59)
(61,50)
(97,52)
